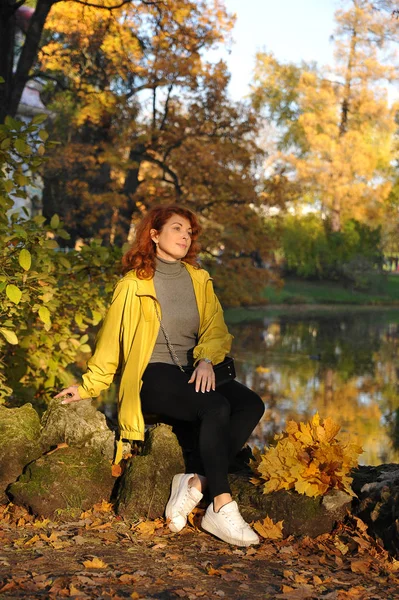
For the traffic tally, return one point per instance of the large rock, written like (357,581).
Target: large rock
(300,514)
(144,487)
(377,504)
(64,482)
(19,443)
(77,424)
(144,490)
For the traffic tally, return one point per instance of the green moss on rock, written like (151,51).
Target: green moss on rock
(19,443)
(69,478)
(145,485)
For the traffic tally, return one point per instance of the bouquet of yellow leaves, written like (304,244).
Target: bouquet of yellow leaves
(307,458)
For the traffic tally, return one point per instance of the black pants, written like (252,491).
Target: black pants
(226,417)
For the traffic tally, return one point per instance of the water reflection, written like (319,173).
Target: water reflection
(343,366)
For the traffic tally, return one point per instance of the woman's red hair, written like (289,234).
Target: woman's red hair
(141,256)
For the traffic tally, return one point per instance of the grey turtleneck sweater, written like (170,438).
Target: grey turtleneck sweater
(175,292)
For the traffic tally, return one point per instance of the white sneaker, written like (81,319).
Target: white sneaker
(229,526)
(183,499)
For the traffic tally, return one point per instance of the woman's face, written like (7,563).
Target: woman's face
(174,239)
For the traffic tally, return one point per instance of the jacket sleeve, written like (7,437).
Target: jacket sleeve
(214,339)
(102,366)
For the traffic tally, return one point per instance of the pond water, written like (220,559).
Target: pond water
(341,364)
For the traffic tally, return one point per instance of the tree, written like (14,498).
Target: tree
(339,122)
(137,128)
(32,22)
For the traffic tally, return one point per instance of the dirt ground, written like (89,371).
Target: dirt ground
(101,556)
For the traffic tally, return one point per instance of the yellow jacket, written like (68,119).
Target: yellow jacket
(127,339)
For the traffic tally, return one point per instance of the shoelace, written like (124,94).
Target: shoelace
(185,507)
(237,520)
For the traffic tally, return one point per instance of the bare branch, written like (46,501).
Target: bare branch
(122,3)
(41,75)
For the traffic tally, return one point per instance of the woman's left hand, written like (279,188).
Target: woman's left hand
(204,377)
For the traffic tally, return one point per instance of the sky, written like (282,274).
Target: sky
(293,30)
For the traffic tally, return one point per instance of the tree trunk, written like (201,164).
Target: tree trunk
(7,41)
(130,187)
(343,127)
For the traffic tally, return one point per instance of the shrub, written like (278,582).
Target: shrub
(49,299)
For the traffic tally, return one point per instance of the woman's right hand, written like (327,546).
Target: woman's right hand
(72,392)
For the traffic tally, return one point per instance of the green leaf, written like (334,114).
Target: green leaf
(85,348)
(8,185)
(39,219)
(84,338)
(5,144)
(2,80)
(9,335)
(96,317)
(47,297)
(79,319)
(21,146)
(43,135)
(21,179)
(11,123)
(64,262)
(44,315)
(14,293)
(39,119)
(25,259)
(55,221)
(63,234)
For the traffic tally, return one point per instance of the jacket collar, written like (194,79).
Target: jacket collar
(145,287)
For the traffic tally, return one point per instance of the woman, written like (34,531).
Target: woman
(164,313)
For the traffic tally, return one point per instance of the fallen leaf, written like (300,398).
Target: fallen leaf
(41,524)
(79,540)
(8,586)
(58,447)
(78,593)
(96,563)
(360,566)
(213,572)
(32,540)
(103,506)
(116,470)
(147,528)
(268,529)
(127,578)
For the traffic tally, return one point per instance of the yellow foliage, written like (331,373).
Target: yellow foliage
(307,458)
(268,529)
(96,563)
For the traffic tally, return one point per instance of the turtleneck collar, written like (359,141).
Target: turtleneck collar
(168,268)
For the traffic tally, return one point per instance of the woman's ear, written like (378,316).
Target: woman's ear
(154,235)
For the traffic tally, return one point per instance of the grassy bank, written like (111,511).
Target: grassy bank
(297,291)
(304,296)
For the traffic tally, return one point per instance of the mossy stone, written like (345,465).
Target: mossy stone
(77,424)
(19,443)
(300,514)
(144,487)
(69,479)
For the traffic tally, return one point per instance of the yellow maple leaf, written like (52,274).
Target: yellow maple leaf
(309,458)
(147,528)
(103,506)
(96,563)
(269,530)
